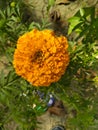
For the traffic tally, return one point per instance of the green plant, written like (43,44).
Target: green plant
(85,24)
(51,3)
(78,87)
(83,68)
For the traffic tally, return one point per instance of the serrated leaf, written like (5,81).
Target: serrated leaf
(17,10)
(34,25)
(8,11)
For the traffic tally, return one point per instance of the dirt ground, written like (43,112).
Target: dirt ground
(64,10)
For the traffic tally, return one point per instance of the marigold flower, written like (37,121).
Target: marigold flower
(41,57)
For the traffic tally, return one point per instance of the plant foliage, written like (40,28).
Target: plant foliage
(78,87)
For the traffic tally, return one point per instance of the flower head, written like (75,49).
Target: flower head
(41,57)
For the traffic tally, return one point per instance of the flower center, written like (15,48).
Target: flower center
(37,56)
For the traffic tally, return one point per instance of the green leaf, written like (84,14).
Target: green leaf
(17,11)
(2,78)
(2,97)
(78,27)
(34,25)
(8,11)
(51,2)
(82,12)
(2,14)
(9,77)
(31,26)
(95,23)
(83,32)
(92,13)
(73,22)
(2,23)
(5,92)
(45,24)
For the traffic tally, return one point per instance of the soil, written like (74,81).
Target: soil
(60,11)
(64,9)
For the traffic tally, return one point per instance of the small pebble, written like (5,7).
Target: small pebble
(51,101)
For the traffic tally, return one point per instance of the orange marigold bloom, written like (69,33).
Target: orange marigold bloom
(41,57)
